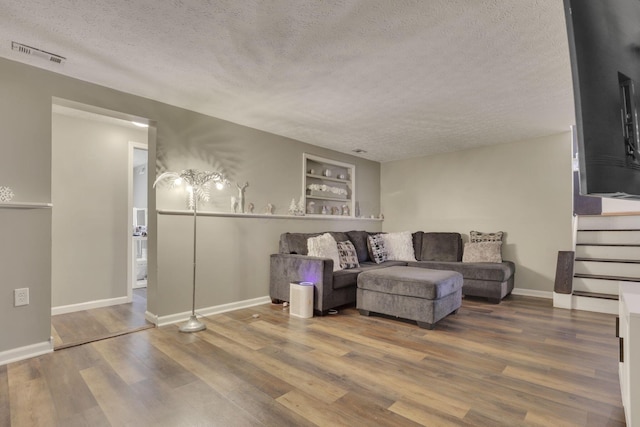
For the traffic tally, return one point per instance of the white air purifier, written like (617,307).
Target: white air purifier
(301,299)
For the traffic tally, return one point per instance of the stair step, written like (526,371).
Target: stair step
(596,285)
(595,295)
(609,237)
(602,277)
(617,230)
(603,251)
(609,222)
(607,268)
(613,245)
(622,261)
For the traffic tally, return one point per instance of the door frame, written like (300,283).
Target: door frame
(130,265)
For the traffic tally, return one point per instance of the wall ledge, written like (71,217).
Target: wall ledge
(25,205)
(274,216)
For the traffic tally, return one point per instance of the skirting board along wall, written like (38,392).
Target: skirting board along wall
(26,352)
(206,311)
(532,293)
(573,302)
(71,308)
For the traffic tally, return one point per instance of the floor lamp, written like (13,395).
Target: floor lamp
(197,185)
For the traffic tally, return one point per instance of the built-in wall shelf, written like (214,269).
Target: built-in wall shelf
(274,216)
(25,205)
(322,182)
(325,178)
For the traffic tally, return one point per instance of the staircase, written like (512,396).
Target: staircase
(607,253)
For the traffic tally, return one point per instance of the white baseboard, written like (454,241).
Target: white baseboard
(207,311)
(596,305)
(63,309)
(150,317)
(26,352)
(563,300)
(532,293)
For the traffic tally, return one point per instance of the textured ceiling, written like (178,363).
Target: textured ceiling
(398,78)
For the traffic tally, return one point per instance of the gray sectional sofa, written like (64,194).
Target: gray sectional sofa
(438,251)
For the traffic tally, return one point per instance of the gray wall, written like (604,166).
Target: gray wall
(233,256)
(234,251)
(89,221)
(523,188)
(177,139)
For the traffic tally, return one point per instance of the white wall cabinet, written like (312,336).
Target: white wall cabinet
(629,332)
(328,186)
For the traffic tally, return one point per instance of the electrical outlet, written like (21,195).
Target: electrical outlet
(20,297)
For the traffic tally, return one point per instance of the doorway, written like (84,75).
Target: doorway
(91,292)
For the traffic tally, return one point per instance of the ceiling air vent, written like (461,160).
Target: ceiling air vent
(28,50)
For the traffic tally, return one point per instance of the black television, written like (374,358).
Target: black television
(604,47)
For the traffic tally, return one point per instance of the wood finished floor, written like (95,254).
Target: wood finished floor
(518,363)
(85,326)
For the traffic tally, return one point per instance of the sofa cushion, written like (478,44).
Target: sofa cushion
(482,252)
(324,246)
(441,247)
(411,282)
(359,240)
(345,278)
(339,236)
(417,243)
(399,246)
(377,251)
(364,266)
(348,256)
(498,272)
(295,243)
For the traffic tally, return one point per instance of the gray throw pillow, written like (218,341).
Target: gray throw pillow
(348,255)
(377,251)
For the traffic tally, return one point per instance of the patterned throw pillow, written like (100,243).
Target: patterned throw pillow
(477,236)
(324,246)
(348,255)
(399,246)
(482,252)
(377,251)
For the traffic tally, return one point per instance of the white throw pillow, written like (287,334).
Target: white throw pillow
(324,246)
(399,246)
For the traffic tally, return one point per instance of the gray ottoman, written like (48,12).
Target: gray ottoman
(419,294)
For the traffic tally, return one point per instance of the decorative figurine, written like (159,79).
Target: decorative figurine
(250,207)
(300,210)
(269,209)
(324,210)
(345,210)
(241,196)
(311,208)
(234,204)
(293,207)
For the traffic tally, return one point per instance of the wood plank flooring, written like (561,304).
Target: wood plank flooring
(519,363)
(80,327)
